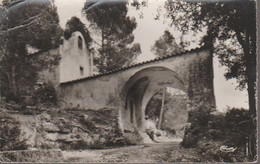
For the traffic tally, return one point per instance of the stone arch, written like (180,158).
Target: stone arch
(140,88)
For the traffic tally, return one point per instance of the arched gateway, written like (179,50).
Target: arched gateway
(140,88)
(129,89)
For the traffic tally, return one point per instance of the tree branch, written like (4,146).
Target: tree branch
(96,43)
(23,25)
(240,39)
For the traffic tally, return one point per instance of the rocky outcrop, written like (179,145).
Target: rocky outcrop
(67,129)
(79,129)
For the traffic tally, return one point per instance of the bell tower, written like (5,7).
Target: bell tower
(76,61)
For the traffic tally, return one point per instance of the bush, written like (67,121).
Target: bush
(235,128)
(45,93)
(242,129)
(198,117)
(10,134)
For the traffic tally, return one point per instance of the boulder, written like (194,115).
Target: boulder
(51,136)
(46,117)
(50,127)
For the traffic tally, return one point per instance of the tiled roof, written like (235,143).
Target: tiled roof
(135,65)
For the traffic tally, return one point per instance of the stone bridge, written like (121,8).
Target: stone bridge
(129,89)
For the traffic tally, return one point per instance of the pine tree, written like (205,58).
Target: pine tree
(166,45)
(114,37)
(28,24)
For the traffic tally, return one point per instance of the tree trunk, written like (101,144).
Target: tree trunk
(251,83)
(14,86)
(251,88)
(250,75)
(251,97)
(102,55)
(250,58)
(9,81)
(161,112)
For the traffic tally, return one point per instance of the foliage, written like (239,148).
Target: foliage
(174,115)
(239,119)
(155,104)
(198,117)
(114,35)
(243,127)
(32,24)
(45,93)
(74,24)
(166,45)
(154,107)
(235,128)
(10,133)
(231,27)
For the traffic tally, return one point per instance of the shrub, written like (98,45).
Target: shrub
(198,117)
(235,128)
(242,129)
(10,134)
(45,93)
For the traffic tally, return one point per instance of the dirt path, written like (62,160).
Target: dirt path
(157,152)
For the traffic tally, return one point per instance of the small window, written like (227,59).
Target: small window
(81,70)
(79,42)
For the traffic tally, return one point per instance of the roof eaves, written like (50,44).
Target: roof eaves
(135,65)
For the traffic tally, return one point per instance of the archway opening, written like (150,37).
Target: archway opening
(167,110)
(138,91)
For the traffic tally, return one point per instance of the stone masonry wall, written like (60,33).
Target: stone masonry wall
(194,69)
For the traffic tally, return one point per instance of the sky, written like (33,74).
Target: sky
(147,32)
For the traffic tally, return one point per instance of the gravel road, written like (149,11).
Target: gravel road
(149,153)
